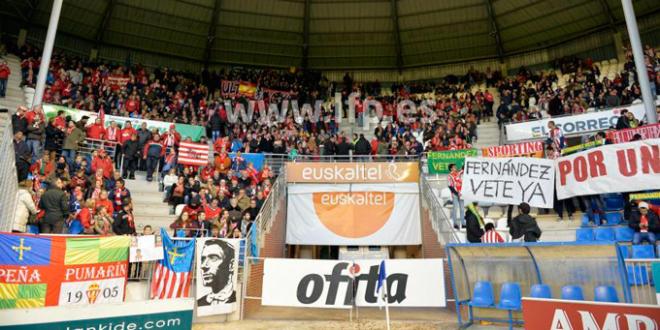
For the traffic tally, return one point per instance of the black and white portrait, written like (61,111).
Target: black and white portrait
(217,263)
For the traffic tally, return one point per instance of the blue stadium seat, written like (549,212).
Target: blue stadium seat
(541,291)
(637,275)
(604,234)
(625,251)
(510,299)
(483,295)
(584,234)
(572,292)
(75,227)
(613,218)
(624,234)
(613,202)
(605,293)
(643,251)
(585,220)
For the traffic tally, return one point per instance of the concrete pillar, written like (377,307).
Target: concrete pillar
(48,51)
(22,37)
(93,54)
(618,47)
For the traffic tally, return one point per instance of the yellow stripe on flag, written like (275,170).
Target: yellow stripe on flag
(30,303)
(114,242)
(8,291)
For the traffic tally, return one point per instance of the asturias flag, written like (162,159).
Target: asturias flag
(173,274)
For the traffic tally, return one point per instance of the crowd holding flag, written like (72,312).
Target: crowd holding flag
(173,274)
(196,154)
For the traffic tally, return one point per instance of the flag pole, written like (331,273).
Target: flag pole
(387,305)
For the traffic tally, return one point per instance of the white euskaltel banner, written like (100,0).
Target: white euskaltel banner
(584,123)
(334,283)
(217,274)
(632,166)
(509,181)
(353,214)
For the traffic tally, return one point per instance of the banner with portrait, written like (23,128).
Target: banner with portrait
(217,272)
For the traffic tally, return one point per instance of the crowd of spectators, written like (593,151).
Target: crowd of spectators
(529,96)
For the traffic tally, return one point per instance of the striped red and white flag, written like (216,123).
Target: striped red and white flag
(168,284)
(196,154)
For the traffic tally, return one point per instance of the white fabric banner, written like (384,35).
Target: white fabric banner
(94,292)
(632,166)
(509,181)
(146,248)
(217,272)
(577,124)
(353,214)
(333,283)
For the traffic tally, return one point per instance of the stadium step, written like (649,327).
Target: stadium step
(148,206)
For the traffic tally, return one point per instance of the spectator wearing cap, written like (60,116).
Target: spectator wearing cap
(644,223)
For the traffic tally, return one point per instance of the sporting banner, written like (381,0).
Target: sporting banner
(509,181)
(439,161)
(581,147)
(632,166)
(174,314)
(217,274)
(38,271)
(343,284)
(651,131)
(195,154)
(353,214)
(187,131)
(229,88)
(302,172)
(525,149)
(146,248)
(571,125)
(558,314)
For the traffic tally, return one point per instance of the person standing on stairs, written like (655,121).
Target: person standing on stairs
(455,183)
(4,76)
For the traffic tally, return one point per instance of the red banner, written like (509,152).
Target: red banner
(525,149)
(557,314)
(116,81)
(651,131)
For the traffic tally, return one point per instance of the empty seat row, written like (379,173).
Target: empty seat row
(605,234)
(511,296)
(611,219)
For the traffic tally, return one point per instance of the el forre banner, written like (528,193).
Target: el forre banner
(555,314)
(509,181)
(335,283)
(632,166)
(439,161)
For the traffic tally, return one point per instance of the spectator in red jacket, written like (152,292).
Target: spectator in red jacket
(171,138)
(4,76)
(126,133)
(96,131)
(102,161)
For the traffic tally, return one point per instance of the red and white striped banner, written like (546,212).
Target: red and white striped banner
(196,154)
(168,284)
(651,131)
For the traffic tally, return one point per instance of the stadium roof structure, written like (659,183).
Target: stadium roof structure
(331,34)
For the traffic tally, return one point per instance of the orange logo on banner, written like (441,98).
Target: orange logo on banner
(353,214)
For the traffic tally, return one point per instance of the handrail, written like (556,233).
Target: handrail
(8,179)
(441,224)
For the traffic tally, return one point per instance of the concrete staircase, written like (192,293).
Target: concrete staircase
(148,206)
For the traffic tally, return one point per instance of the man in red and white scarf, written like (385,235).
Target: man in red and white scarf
(455,183)
(171,138)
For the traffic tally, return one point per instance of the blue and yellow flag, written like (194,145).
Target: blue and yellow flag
(179,254)
(26,250)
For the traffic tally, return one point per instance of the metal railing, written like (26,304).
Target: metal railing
(8,179)
(641,281)
(88,146)
(442,226)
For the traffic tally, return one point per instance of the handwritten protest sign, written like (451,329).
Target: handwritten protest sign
(509,181)
(439,160)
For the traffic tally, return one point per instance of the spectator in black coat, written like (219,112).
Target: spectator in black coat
(344,147)
(474,224)
(22,156)
(524,225)
(55,205)
(124,222)
(18,121)
(132,152)
(362,146)
(54,137)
